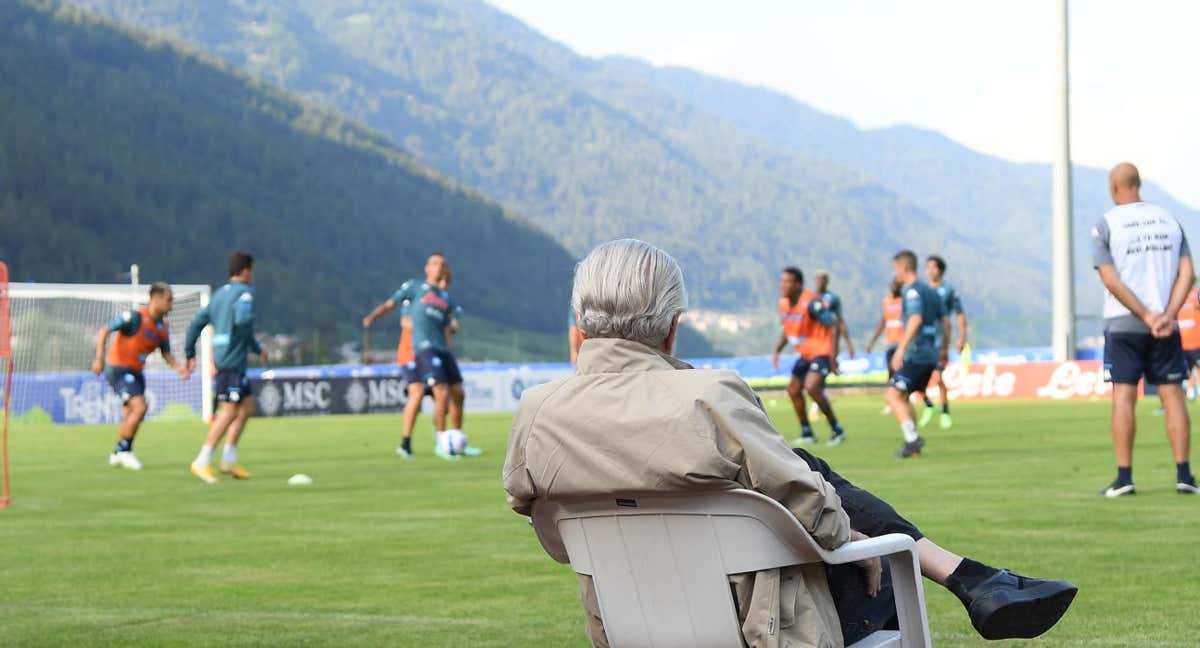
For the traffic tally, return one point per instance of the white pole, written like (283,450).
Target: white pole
(1063,333)
(134,280)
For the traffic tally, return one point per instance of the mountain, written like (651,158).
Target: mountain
(585,151)
(735,181)
(116,146)
(1005,204)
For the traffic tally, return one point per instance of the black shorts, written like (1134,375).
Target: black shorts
(887,359)
(127,383)
(438,368)
(1130,356)
(231,386)
(1193,357)
(912,377)
(411,377)
(819,364)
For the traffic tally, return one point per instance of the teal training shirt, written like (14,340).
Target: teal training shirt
(231,313)
(950,303)
(832,302)
(431,311)
(920,299)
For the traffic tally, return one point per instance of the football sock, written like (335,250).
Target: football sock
(124,445)
(229,454)
(967,575)
(835,426)
(406,443)
(945,408)
(928,403)
(205,456)
(1124,475)
(1183,472)
(909,428)
(806,430)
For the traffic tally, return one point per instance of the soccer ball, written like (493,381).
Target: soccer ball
(452,442)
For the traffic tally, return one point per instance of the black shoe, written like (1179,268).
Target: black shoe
(1011,606)
(838,437)
(1188,487)
(1118,489)
(911,448)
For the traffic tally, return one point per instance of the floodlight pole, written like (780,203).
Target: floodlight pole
(1063,328)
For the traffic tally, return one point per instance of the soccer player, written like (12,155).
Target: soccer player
(432,315)
(834,303)
(1189,333)
(891,326)
(919,350)
(231,314)
(812,330)
(139,333)
(935,270)
(1144,262)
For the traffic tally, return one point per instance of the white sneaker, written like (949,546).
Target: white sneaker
(126,460)
(402,453)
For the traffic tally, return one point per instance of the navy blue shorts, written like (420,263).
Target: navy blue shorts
(410,375)
(912,377)
(887,359)
(438,368)
(127,383)
(1130,356)
(1193,357)
(231,386)
(819,364)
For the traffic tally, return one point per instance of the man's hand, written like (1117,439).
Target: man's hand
(1153,321)
(775,360)
(944,357)
(190,365)
(870,345)
(97,366)
(872,568)
(183,371)
(962,344)
(897,359)
(366,322)
(833,365)
(262,357)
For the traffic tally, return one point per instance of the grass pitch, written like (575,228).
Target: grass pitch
(381,551)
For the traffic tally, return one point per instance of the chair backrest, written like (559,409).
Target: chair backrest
(660,562)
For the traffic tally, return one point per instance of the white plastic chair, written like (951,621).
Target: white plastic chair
(660,563)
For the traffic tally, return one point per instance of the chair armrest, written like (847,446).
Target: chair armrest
(884,545)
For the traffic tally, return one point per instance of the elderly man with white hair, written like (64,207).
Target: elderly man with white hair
(635,419)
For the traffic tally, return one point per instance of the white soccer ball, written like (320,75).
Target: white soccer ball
(452,442)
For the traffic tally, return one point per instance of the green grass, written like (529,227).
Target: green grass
(424,553)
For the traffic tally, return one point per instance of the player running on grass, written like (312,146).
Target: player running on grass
(812,329)
(891,326)
(231,314)
(935,270)
(432,316)
(140,333)
(919,350)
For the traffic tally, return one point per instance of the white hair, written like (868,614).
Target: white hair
(628,289)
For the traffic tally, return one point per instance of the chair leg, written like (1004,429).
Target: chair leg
(910,599)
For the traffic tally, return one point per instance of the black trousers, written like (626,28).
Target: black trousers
(860,614)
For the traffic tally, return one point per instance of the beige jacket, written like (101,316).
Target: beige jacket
(634,419)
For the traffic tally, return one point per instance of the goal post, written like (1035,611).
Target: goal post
(53,342)
(6,393)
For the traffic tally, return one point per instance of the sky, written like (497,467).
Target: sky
(981,72)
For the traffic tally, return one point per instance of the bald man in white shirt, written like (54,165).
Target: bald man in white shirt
(1144,261)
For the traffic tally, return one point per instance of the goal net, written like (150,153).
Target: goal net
(54,341)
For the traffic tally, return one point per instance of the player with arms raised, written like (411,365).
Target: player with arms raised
(920,348)
(231,314)
(140,333)
(432,315)
(812,330)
